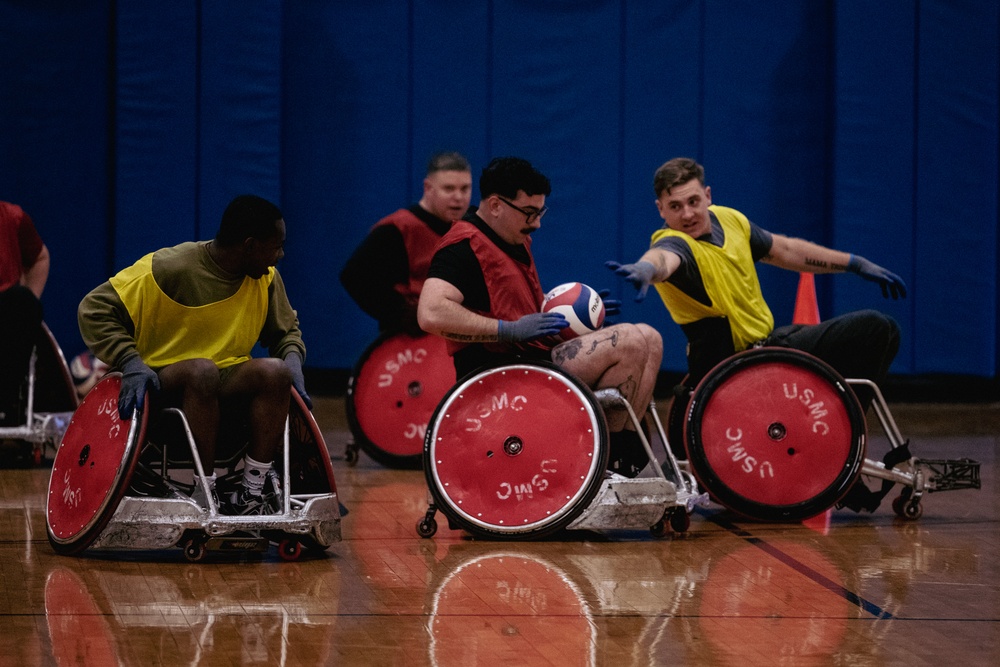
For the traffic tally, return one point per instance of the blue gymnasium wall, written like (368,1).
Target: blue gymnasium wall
(871,127)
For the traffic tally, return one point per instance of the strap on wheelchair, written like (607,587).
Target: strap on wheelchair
(860,498)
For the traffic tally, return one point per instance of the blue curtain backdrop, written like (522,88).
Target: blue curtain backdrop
(871,127)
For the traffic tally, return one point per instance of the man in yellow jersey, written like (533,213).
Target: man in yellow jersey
(702,264)
(182,322)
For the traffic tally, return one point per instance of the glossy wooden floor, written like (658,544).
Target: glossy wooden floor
(863,590)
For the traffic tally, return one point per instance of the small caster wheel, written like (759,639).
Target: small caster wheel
(426,527)
(659,529)
(289,550)
(680,521)
(898,504)
(351,455)
(913,510)
(195,549)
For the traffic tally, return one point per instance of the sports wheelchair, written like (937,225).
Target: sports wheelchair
(391,394)
(521,451)
(777,435)
(128,485)
(774,434)
(48,401)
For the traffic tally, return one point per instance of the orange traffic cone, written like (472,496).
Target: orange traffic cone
(807,312)
(806,308)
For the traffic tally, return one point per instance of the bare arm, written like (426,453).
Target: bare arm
(441,312)
(664,262)
(804,256)
(36,276)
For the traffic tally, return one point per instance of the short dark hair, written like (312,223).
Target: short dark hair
(676,172)
(506,175)
(247,216)
(449,161)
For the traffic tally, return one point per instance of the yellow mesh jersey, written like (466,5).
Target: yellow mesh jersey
(167,332)
(730,280)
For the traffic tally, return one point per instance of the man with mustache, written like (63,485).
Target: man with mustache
(483,295)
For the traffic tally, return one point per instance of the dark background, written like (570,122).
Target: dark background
(867,126)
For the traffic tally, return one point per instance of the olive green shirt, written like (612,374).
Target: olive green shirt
(187,274)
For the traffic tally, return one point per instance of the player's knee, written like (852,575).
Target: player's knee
(273,375)
(199,376)
(654,341)
(640,341)
(880,328)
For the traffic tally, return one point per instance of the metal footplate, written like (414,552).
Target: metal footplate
(685,496)
(627,503)
(160,523)
(951,474)
(916,475)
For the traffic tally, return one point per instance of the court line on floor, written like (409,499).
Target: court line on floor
(866,605)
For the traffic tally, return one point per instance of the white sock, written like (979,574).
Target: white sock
(254,474)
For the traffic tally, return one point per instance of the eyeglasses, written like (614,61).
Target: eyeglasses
(530,214)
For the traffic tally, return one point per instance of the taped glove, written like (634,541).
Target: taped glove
(294,363)
(889,281)
(612,307)
(137,378)
(640,274)
(531,327)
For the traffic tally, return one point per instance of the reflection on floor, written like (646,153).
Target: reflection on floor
(865,589)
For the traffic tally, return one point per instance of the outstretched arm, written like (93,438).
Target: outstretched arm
(655,266)
(804,256)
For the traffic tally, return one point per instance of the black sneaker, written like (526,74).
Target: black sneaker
(244,503)
(628,456)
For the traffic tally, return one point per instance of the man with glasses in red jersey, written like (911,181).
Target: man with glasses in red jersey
(483,295)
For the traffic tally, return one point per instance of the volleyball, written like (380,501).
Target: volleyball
(579,304)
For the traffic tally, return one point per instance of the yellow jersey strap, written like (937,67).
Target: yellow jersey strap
(167,332)
(730,279)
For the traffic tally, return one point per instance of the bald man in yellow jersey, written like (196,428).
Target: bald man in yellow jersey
(183,321)
(702,263)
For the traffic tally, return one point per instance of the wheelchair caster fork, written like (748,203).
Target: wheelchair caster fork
(195,549)
(427,526)
(907,505)
(351,453)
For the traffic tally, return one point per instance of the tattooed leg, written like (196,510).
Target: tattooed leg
(566,351)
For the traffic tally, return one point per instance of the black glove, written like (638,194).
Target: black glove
(531,327)
(137,377)
(640,274)
(890,282)
(294,363)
